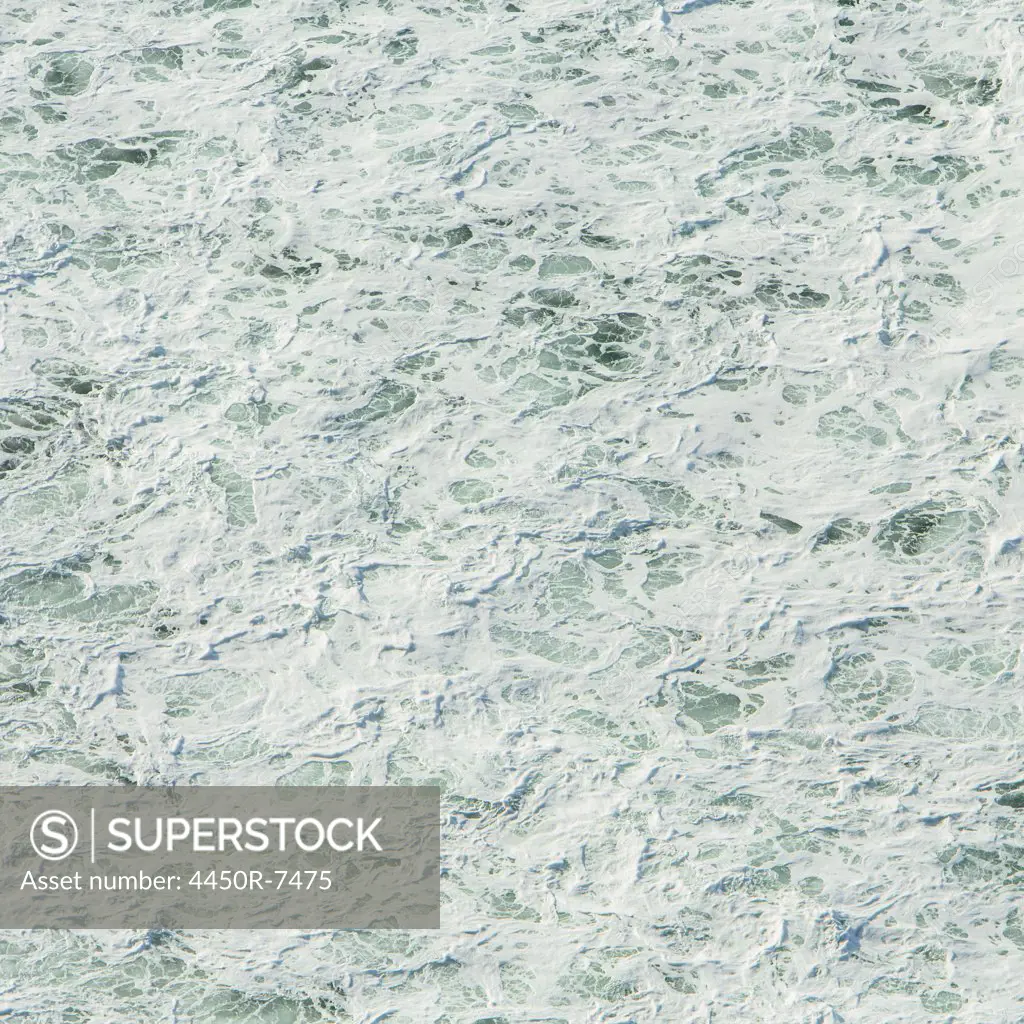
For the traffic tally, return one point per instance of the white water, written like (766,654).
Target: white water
(397,393)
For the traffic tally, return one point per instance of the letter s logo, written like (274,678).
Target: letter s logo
(59,832)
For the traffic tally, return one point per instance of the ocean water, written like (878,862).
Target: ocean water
(608,412)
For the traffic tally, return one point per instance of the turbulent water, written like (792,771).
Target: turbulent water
(604,411)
